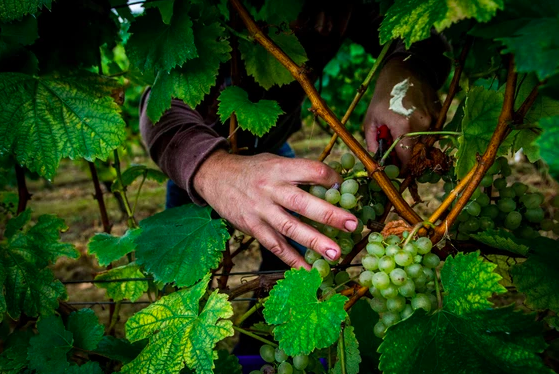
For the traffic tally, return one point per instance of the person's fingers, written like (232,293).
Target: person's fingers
(371,129)
(303,171)
(307,205)
(275,243)
(303,234)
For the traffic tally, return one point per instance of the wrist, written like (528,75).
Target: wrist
(209,172)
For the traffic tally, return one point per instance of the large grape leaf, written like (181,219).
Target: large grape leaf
(165,8)
(85,328)
(549,144)
(501,239)
(481,114)
(264,67)
(14,357)
(155,45)
(131,290)
(29,285)
(182,244)
(48,349)
(361,316)
(412,20)
(15,9)
(303,322)
(43,119)
(193,80)
(108,248)
(538,277)
(278,11)
(466,336)
(22,32)
(258,118)
(351,352)
(180,331)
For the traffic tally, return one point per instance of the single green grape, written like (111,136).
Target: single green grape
(407,289)
(421,301)
(483,200)
(531,200)
(379,329)
(285,368)
(414,270)
(328,292)
(378,304)
(494,169)
(379,209)
(336,166)
(330,231)
(370,262)
(280,355)
(300,362)
(408,311)
(392,171)
(513,220)
(476,193)
(398,276)
(311,256)
(506,170)
(349,186)
(420,281)
(267,352)
(366,278)
(346,245)
(332,196)
(396,304)
(392,240)
(390,318)
(375,248)
(381,280)
(322,267)
(534,215)
(403,258)
(389,292)
(410,248)
(423,245)
(374,186)
(318,191)
(348,201)
(500,183)
(386,264)
(375,237)
(431,260)
(519,188)
(375,292)
(341,277)
(429,274)
(347,160)
(435,178)
(473,208)
(425,177)
(463,216)
(368,214)
(391,250)
(506,205)
(487,180)
(359,228)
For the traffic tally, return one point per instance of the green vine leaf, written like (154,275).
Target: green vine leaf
(180,331)
(108,248)
(29,285)
(264,67)
(361,316)
(45,119)
(466,336)
(22,32)
(165,8)
(279,11)
(549,144)
(118,291)
(14,357)
(412,20)
(352,356)
(186,253)
(134,172)
(303,322)
(193,81)
(501,239)
(85,328)
(157,46)
(48,349)
(258,118)
(90,367)
(538,277)
(481,114)
(14,9)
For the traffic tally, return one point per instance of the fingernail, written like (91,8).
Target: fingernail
(331,253)
(350,225)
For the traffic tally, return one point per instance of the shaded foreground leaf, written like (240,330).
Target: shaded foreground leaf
(303,322)
(48,349)
(361,316)
(182,244)
(85,328)
(15,9)
(180,332)
(501,239)
(549,144)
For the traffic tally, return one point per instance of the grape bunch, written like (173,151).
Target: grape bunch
(280,363)
(400,276)
(497,204)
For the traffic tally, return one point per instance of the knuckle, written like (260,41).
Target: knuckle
(288,228)
(313,242)
(327,217)
(277,249)
(321,171)
(297,202)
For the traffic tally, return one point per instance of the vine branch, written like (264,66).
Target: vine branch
(99,197)
(360,93)
(321,109)
(131,219)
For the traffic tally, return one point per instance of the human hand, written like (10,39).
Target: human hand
(255,192)
(420,95)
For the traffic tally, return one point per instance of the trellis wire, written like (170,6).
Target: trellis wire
(135,302)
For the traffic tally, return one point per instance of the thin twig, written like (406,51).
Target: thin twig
(138,192)
(320,108)
(131,220)
(360,293)
(99,197)
(23,193)
(250,312)
(248,333)
(227,266)
(360,93)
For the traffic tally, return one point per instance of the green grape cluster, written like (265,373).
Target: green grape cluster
(278,362)
(400,276)
(510,206)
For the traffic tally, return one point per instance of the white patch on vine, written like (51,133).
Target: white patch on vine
(397,98)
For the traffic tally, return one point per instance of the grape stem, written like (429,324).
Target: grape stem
(248,333)
(341,343)
(347,281)
(410,134)
(438,289)
(251,311)
(416,229)
(360,92)
(357,174)
(359,294)
(320,108)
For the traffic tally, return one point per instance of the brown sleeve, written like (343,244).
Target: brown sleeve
(179,143)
